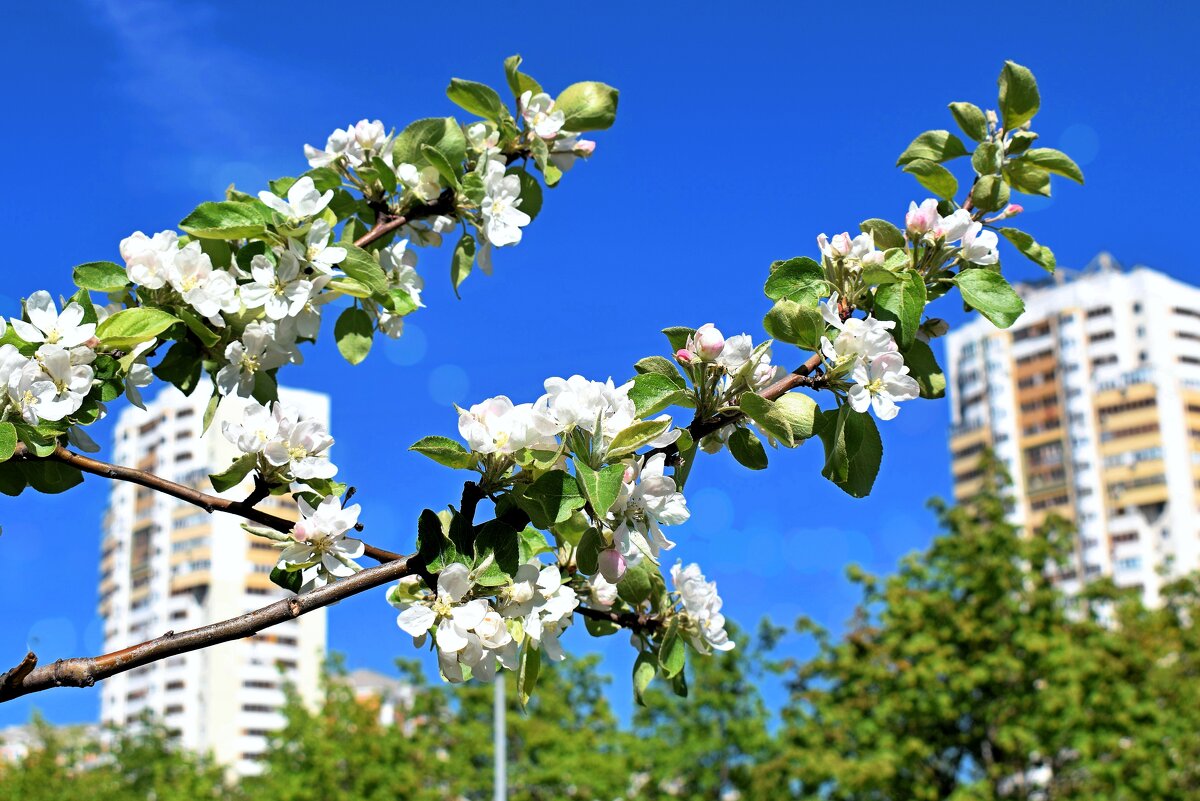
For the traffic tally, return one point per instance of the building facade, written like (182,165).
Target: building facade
(1092,401)
(168,566)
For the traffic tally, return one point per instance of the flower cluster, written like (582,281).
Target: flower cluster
(54,382)
(976,246)
(649,499)
(318,547)
(702,620)
(855,252)
(287,446)
(533,608)
(866,350)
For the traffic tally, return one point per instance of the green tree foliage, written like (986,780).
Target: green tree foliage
(968,676)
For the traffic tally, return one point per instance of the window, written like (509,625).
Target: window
(1186,312)
(182,413)
(1132,563)
(174,709)
(1099,311)
(1101,336)
(1125,536)
(1101,361)
(175,685)
(258,684)
(257,708)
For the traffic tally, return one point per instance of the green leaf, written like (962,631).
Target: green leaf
(442,133)
(532,543)
(198,327)
(678,335)
(354,332)
(800,280)
(530,201)
(100,276)
(600,628)
(181,366)
(551,499)
(1026,177)
(601,487)
(634,437)
(431,539)
(934,177)
(233,475)
(971,119)
(1019,142)
(587,553)
(990,193)
(644,670)
(363,267)
(290,580)
(887,236)
(227,219)
(748,449)
(988,158)
(990,294)
(444,451)
(541,158)
(903,303)
(853,450)
(587,106)
(518,81)
(527,675)
(1055,161)
(127,328)
(51,478)
(462,261)
(651,393)
(1019,98)
(477,98)
(8,441)
(636,586)
(445,169)
(788,419)
(663,367)
(672,656)
(502,542)
(1039,254)
(788,321)
(923,366)
(934,146)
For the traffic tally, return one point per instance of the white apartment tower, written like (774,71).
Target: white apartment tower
(167,565)
(1092,400)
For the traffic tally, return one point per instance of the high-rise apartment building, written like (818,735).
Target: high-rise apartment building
(167,565)
(1092,400)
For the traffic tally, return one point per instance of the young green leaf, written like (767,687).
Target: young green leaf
(800,280)
(587,106)
(747,449)
(100,276)
(652,392)
(477,98)
(971,119)
(462,261)
(363,267)
(1019,98)
(933,145)
(233,475)
(902,302)
(601,487)
(923,366)
(129,327)
(1038,254)
(551,499)
(226,220)
(853,450)
(990,193)
(798,325)
(518,81)
(353,333)
(934,177)
(1055,161)
(886,235)
(444,451)
(990,294)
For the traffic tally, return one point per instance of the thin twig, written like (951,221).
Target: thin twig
(209,503)
(85,671)
(629,620)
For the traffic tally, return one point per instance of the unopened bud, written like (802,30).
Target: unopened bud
(707,342)
(612,565)
(1013,210)
(685,356)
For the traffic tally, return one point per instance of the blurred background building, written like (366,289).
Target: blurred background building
(1092,401)
(157,574)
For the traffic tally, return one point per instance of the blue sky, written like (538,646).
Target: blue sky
(740,137)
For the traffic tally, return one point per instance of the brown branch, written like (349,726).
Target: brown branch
(629,620)
(386,223)
(209,503)
(87,670)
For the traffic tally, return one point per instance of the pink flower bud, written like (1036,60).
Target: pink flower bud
(612,565)
(685,356)
(707,342)
(921,219)
(1013,210)
(841,244)
(584,147)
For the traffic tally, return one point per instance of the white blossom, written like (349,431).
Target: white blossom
(139,374)
(301,445)
(702,607)
(208,290)
(303,200)
(315,251)
(47,325)
(576,401)
(978,246)
(452,618)
(502,220)
(545,605)
(52,385)
(482,141)
(539,114)
(147,258)
(425,183)
(399,262)
(496,425)
(320,541)
(256,351)
(881,384)
(340,144)
(857,338)
(648,500)
(567,148)
(602,594)
(278,289)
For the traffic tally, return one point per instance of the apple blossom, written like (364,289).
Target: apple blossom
(502,220)
(452,618)
(47,325)
(341,144)
(648,500)
(612,565)
(147,258)
(567,148)
(497,426)
(880,384)
(303,200)
(424,183)
(857,338)
(399,262)
(701,606)
(921,219)
(539,114)
(277,289)
(978,246)
(208,290)
(257,351)
(319,541)
(315,251)
(482,140)
(139,374)
(301,446)
(706,342)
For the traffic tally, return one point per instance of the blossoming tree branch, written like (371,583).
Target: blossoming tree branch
(582,482)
